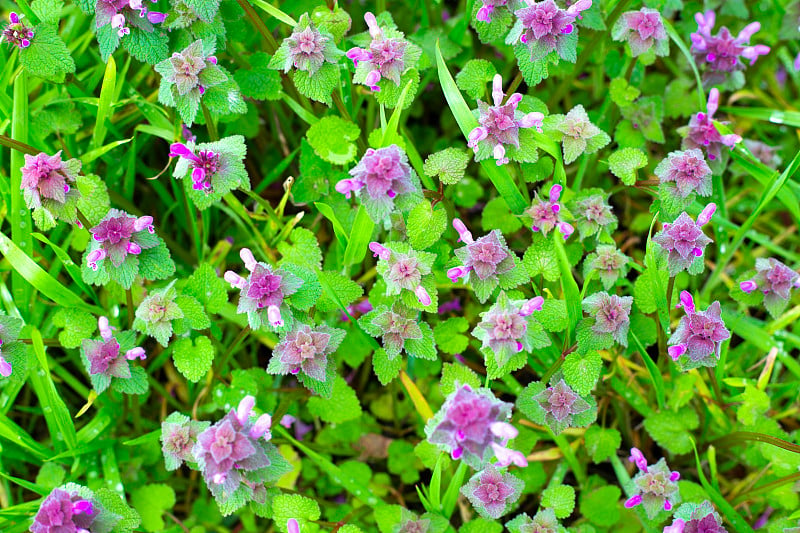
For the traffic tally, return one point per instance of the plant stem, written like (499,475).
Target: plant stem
(513,87)
(232,346)
(555,366)
(13,144)
(272,45)
(46,342)
(129,303)
(213,134)
(715,385)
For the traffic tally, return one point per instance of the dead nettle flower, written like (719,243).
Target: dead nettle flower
(216,168)
(388,56)
(12,353)
(472,425)
(122,14)
(559,407)
(508,328)
(684,174)
(697,340)
(763,152)
(577,134)
(544,27)
(656,487)
(544,521)
(307,48)
(775,281)
(155,314)
(72,507)
(611,315)
(403,268)
(16,32)
(723,53)
(546,215)
(400,329)
(487,8)
(117,241)
(109,358)
(263,294)
(486,262)
(304,352)
(685,241)
(500,124)
(382,178)
(186,75)
(48,188)
(592,213)
(492,493)
(696,518)
(643,30)
(236,458)
(411,523)
(701,132)
(609,263)
(178,437)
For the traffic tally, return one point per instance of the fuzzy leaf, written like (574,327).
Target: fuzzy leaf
(541,258)
(319,86)
(672,430)
(333,139)
(47,56)
(78,325)
(425,224)
(341,407)
(449,335)
(582,370)
(286,506)
(151,501)
(207,288)
(474,76)
(559,498)
(303,250)
(193,360)
(346,290)
(625,162)
(453,373)
(448,164)
(602,443)
(259,81)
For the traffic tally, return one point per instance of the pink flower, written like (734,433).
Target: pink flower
(642,29)
(656,487)
(384,58)
(688,171)
(611,314)
(685,241)
(560,404)
(17,33)
(546,214)
(204,165)
(64,510)
(701,132)
(119,235)
(48,182)
(545,26)
(491,492)
(775,280)
(122,13)
(697,339)
(609,263)
(487,8)
(305,350)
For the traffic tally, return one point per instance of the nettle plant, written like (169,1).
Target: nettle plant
(404,267)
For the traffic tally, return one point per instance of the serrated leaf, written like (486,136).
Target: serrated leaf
(559,498)
(321,85)
(601,506)
(472,79)
(193,312)
(425,224)
(456,373)
(333,139)
(193,359)
(622,93)
(497,215)
(625,162)
(602,443)
(582,370)
(541,258)
(553,316)
(449,335)
(341,407)
(78,325)
(344,289)
(286,506)
(207,288)
(386,369)
(303,250)
(259,81)
(148,47)
(672,430)
(47,56)
(644,289)
(448,164)
(151,501)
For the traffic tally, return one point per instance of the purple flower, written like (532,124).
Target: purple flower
(385,57)
(263,294)
(16,32)
(472,425)
(577,134)
(544,521)
(379,179)
(124,13)
(685,241)
(611,314)
(487,8)
(178,437)
(609,263)
(775,280)
(500,124)
(411,523)
(763,152)
(64,511)
(701,132)
(155,314)
(48,184)
(546,214)
(105,359)
(508,328)
(304,352)
(307,48)
(491,492)
(398,327)
(686,173)
(228,451)
(403,268)
(546,27)
(656,487)
(642,29)
(120,236)
(723,53)
(593,214)
(560,404)
(216,168)
(693,518)
(697,339)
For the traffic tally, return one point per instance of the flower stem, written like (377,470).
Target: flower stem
(213,134)
(555,366)
(715,385)
(514,84)
(129,303)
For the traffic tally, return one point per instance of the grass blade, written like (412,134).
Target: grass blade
(104,105)
(20,216)
(655,375)
(359,238)
(91,155)
(676,38)
(275,12)
(390,135)
(338,229)
(568,284)
(727,510)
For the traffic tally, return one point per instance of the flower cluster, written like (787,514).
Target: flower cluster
(486,262)
(509,328)
(685,242)
(577,134)
(405,269)
(592,213)
(72,508)
(109,357)
(12,353)
(656,487)
(122,14)
(400,330)
(48,187)
(155,314)
(492,492)
(215,168)
(178,437)
(722,54)
(472,425)
(682,175)
(694,518)
(611,315)
(609,263)
(544,27)
(697,339)
(380,179)
(387,56)
(264,292)
(559,406)
(304,351)
(546,214)
(16,32)
(702,133)
(306,49)
(643,30)
(544,521)
(775,281)
(500,124)
(484,13)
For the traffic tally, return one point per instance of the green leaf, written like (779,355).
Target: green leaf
(449,335)
(448,164)
(206,287)
(497,215)
(672,430)
(474,76)
(303,251)
(193,312)
(94,201)
(321,85)
(559,498)
(47,56)
(147,47)
(78,325)
(582,370)
(107,90)
(360,236)
(644,289)
(151,502)
(286,506)
(156,263)
(553,316)
(403,462)
(426,224)
(50,476)
(456,373)
(541,258)
(621,93)
(193,360)
(316,176)
(341,407)
(601,506)
(112,502)
(333,139)
(755,403)
(386,369)
(259,81)
(342,288)
(602,443)
(625,162)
